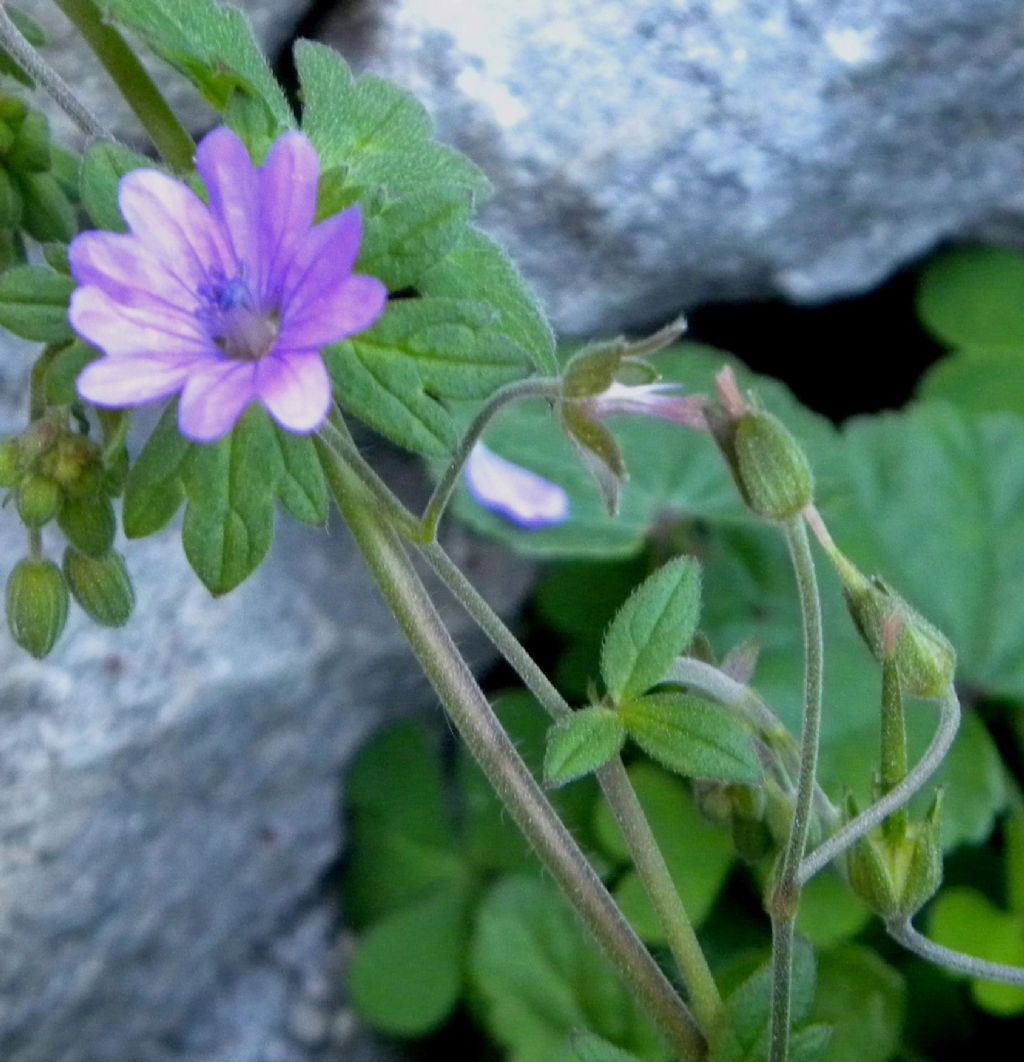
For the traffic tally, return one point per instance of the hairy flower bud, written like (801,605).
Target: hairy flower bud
(37,605)
(101,586)
(39,499)
(88,524)
(30,152)
(47,215)
(10,202)
(772,472)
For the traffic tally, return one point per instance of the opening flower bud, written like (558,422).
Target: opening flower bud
(37,605)
(101,586)
(772,471)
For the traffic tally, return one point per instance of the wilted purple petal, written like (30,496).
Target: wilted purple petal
(213,399)
(350,307)
(117,382)
(295,388)
(515,492)
(122,330)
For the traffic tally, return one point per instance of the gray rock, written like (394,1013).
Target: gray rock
(169,801)
(651,156)
(273,22)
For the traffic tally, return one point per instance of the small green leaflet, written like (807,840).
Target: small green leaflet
(692,736)
(421,350)
(591,1048)
(103,166)
(230,487)
(652,628)
(34,303)
(211,44)
(581,743)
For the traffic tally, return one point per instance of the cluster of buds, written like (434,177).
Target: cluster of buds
(34,194)
(57,475)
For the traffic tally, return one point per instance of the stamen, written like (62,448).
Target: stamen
(240,328)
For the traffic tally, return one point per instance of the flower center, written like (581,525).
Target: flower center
(241,329)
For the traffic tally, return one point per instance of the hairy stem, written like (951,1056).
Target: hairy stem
(784,899)
(618,791)
(39,70)
(139,90)
(498,758)
(912,940)
(867,820)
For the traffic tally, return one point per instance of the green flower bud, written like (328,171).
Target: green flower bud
(48,216)
(10,202)
(30,152)
(39,500)
(76,463)
(924,871)
(101,586)
(6,138)
(752,839)
(925,660)
(772,471)
(10,463)
(88,524)
(12,111)
(37,605)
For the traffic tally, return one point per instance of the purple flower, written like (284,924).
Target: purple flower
(227,303)
(653,400)
(516,493)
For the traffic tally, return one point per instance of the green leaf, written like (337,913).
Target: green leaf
(406,975)
(978,383)
(591,1048)
(692,736)
(211,44)
(966,920)
(379,132)
(863,999)
(699,855)
(675,473)
(230,486)
(64,370)
(830,912)
(974,299)
(582,743)
(540,978)
(810,1043)
(477,268)
(744,1037)
(34,303)
(395,374)
(103,166)
(651,629)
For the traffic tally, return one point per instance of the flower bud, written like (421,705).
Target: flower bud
(772,471)
(47,216)
(10,471)
(13,110)
(30,152)
(10,202)
(88,524)
(37,605)
(101,586)
(752,839)
(925,660)
(39,499)
(924,873)
(76,463)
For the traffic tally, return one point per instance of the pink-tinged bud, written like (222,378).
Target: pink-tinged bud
(514,492)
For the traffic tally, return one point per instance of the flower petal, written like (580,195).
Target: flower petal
(132,381)
(232,183)
(516,493)
(354,304)
(288,185)
(295,388)
(119,264)
(172,222)
(323,260)
(119,329)
(213,399)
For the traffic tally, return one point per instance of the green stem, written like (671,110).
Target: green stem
(169,136)
(541,387)
(894,748)
(36,66)
(618,791)
(498,758)
(784,900)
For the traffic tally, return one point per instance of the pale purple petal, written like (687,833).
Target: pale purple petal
(173,224)
(354,304)
(214,398)
(120,265)
(516,493)
(322,261)
(288,186)
(295,388)
(122,330)
(232,184)
(652,400)
(120,382)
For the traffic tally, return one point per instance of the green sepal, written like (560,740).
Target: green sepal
(101,586)
(599,452)
(89,524)
(11,204)
(30,152)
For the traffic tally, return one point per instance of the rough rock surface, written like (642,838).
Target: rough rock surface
(649,156)
(169,802)
(273,21)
